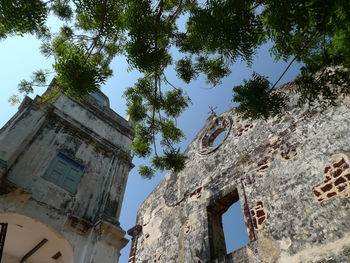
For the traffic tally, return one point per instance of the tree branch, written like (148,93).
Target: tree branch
(177,11)
(167,81)
(93,44)
(293,60)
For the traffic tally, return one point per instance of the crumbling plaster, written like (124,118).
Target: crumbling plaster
(274,165)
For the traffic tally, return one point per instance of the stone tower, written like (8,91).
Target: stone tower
(63,167)
(291,176)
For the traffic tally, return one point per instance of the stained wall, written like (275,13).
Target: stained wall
(88,133)
(290,174)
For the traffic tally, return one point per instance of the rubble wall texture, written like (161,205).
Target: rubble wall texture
(291,175)
(88,133)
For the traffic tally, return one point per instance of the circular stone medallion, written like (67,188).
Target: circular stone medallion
(218,127)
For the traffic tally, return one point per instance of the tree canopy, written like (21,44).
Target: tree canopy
(315,33)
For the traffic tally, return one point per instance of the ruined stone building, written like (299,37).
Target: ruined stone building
(63,169)
(291,176)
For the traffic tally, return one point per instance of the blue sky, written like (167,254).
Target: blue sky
(19,57)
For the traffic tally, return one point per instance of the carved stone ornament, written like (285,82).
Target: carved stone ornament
(214,128)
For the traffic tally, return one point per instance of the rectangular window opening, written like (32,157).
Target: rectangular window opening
(64,172)
(227,229)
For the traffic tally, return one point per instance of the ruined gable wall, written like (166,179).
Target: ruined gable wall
(291,175)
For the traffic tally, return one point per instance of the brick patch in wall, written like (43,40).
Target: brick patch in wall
(258,215)
(243,129)
(337,179)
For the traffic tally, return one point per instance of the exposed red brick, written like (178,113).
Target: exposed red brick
(197,191)
(312,113)
(328,177)
(347,176)
(337,172)
(260,213)
(326,169)
(341,188)
(284,133)
(327,187)
(260,203)
(276,145)
(255,223)
(263,167)
(331,194)
(345,166)
(263,161)
(261,220)
(249,230)
(340,180)
(338,164)
(320,200)
(292,127)
(317,193)
(246,210)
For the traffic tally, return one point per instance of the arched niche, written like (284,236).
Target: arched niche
(31,241)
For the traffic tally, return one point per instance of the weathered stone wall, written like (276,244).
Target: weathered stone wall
(88,133)
(291,175)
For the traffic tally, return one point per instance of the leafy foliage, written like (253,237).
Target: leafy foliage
(225,27)
(257,100)
(146,108)
(76,73)
(218,33)
(19,17)
(14,99)
(146,172)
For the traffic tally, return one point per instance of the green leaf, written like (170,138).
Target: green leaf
(256,100)
(146,172)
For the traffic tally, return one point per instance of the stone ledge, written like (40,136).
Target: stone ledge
(111,234)
(134,231)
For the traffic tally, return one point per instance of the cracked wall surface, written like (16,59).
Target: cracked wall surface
(290,173)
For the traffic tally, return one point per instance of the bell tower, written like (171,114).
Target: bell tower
(64,165)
